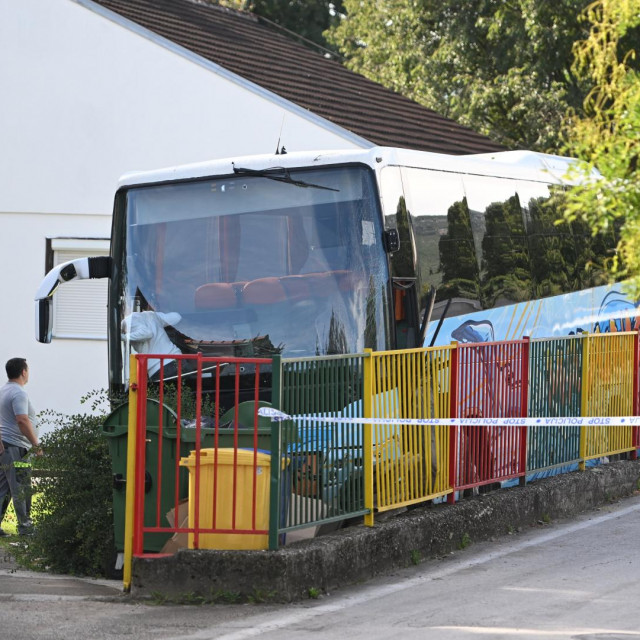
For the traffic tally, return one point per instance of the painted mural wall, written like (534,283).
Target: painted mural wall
(596,310)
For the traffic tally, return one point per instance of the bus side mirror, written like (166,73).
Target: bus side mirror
(44,320)
(78,269)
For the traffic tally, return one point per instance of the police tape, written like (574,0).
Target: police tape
(567,421)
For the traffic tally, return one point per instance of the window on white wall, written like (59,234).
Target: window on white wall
(79,307)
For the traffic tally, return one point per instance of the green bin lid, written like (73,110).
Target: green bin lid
(246,413)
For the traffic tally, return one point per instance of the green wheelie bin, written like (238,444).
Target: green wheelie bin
(115,429)
(226,434)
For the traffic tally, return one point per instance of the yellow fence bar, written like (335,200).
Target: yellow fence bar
(131,473)
(410,461)
(607,391)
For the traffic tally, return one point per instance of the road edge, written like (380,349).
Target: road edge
(356,554)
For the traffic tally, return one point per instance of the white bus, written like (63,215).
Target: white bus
(309,254)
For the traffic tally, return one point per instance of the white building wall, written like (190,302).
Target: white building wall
(65,370)
(86,99)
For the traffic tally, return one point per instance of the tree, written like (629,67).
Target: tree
(607,136)
(506,273)
(503,69)
(551,250)
(402,265)
(307,18)
(458,262)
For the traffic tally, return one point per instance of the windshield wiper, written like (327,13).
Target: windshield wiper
(280,174)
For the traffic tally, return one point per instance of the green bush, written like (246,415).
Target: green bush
(73,518)
(73,513)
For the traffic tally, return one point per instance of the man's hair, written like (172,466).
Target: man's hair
(15,367)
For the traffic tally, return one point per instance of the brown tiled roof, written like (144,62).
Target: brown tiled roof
(240,43)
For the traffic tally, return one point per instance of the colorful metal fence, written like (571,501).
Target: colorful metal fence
(237,480)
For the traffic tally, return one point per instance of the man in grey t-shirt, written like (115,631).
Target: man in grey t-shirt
(17,427)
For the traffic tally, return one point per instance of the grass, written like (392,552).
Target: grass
(9,526)
(260,595)
(465,541)
(10,523)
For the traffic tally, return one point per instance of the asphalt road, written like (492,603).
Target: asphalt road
(564,580)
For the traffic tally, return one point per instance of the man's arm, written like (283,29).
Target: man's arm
(26,427)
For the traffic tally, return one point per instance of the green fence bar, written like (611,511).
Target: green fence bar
(555,372)
(326,458)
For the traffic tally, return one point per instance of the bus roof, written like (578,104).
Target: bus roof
(523,165)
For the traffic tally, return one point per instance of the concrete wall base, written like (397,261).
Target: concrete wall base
(358,553)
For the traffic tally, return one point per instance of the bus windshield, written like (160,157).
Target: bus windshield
(256,264)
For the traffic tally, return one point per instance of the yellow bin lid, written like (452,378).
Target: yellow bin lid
(226,457)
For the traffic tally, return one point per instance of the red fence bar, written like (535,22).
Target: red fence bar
(158,484)
(455,430)
(176,468)
(524,406)
(636,400)
(491,384)
(196,462)
(195,496)
(138,518)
